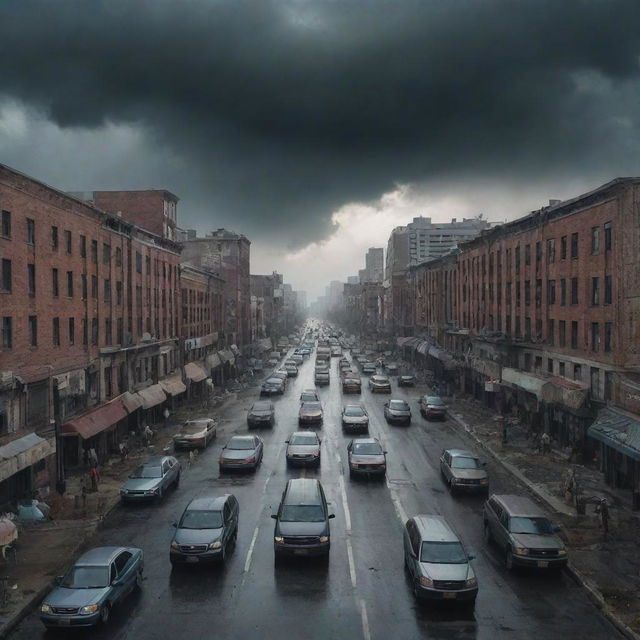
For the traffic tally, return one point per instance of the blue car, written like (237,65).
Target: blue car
(151,480)
(100,579)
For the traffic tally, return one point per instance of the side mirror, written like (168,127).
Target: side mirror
(274,516)
(384,452)
(59,579)
(556,528)
(332,515)
(286,441)
(484,464)
(471,557)
(174,525)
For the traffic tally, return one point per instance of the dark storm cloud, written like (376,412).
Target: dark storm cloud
(282,111)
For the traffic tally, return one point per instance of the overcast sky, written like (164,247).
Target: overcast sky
(315,127)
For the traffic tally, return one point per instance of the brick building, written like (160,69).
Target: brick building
(89,329)
(543,313)
(227,254)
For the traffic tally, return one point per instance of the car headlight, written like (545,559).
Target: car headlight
(562,552)
(88,609)
(174,545)
(278,539)
(324,538)
(215,545)
(521,551)
(151,491)
(425,582)
(471,582)
(484,480)
(45,608)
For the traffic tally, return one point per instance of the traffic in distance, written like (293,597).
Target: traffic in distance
(438,565)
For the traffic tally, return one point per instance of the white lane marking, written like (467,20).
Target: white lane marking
(366,631)
(247,563)
(352,564)
(345,504)
(402,514)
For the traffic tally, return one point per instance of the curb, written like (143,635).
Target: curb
(592,590)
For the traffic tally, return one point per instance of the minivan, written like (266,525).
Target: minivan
(438,565)
(302,520)
(206,531)
(523,533)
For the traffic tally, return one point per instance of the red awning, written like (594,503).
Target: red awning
(92,423)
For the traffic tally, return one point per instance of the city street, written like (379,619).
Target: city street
(363,592)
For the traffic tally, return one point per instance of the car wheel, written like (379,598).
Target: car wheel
(160,494)
(176,484)
(508,559)
(487,533)
(139,580)
(105,610)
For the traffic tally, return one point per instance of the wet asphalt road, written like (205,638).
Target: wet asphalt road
(363,592)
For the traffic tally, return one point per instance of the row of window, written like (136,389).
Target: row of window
(68,243)
(7,330)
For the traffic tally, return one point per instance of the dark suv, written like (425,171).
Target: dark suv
(206,531)
(523,532)
(302,520)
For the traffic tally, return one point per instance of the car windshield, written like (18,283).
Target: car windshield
(260,407)
(311,406)
(443,553)
(354,412)
(434,400)
(399,405)
(191,428)
(146,471)
(460,462)
(303,439)
(241,443)
(367,449)
(302,513)
(530,525)
(273,381)
(380,379)
(198,519)
(86,578)
(308,397)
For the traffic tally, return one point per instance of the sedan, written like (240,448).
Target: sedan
(297,359)
(406,380)
(369,368)
(322,377)
(303,447)
(261,413)
(241,452)
(291,368)
(151,480)
(462,471)
(195,433)
(366,457)
(351,383)
(379,384)
(355,418)
(283,374)
(272,386)
(433,407)
(397,411)
(100,579)
(310,413)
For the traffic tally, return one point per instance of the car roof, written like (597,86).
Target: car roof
(351,406)
(302,491)
(402,400)
(197,420)
(262,404)
(520,506)
(208,503)
(309,391)
(379,378)
(370,440)
(312,403)
(305,433)
(240,436)
(435,528)
(273,379)
(155,462)
(461,453)
(99,556)
(432,398)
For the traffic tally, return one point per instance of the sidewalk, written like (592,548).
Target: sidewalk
(608,568)
(46,549)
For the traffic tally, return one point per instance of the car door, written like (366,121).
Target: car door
(166,474)
(126,573)
(115,589)
(258,444)
(445,465)
(228,524)
(349,452)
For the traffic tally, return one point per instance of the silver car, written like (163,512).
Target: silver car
(99,580)
(462,471)
(379,384)
(241,452)
(272,386)
(366,457)
(151,480)
(303,448)
(397,411)
(195,434)
(355,418)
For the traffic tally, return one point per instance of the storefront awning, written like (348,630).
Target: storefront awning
(24,452)
(173,385)
(97,420)
(151,396)
(213,361)
(195,371)
(227,356)
(131,401)
(527,381)
(618,431)
(565,392)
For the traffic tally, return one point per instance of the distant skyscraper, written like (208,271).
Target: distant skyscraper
(374,264)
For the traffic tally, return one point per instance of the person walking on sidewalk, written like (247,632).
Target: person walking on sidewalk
(545,440)
(602,508)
